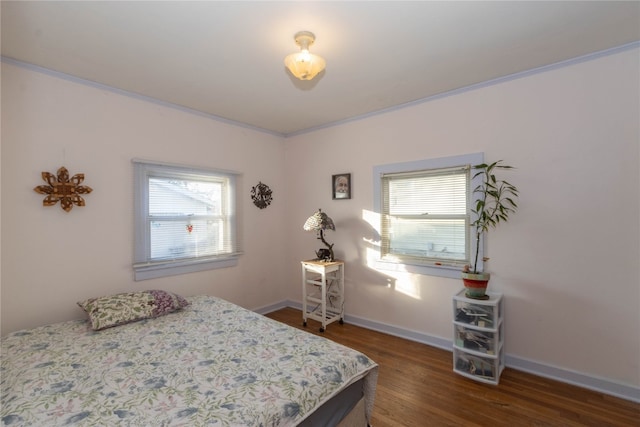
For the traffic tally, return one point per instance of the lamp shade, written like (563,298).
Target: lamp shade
(304,65)
(319,221)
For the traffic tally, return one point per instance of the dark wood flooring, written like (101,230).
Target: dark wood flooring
(417,387)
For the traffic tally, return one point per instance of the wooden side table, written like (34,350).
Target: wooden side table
(323,292)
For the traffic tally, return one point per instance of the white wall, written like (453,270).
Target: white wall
(568,260)
(52,258)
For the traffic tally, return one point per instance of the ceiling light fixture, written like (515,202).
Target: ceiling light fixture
(304,65)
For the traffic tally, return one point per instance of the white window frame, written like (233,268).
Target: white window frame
(425,266)
(146,268)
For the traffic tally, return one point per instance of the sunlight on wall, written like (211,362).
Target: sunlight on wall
(406,284)
(373,219)
(402,281)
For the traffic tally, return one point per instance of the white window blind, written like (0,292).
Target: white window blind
(186,220)
(425,216)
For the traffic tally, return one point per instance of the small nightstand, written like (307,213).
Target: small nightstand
(323,292)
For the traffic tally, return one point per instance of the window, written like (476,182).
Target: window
(185,219)
(425,213)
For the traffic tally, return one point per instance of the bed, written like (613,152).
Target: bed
(209,363)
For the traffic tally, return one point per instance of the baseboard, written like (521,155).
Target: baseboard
(590,382)
(579,379)
(277,306)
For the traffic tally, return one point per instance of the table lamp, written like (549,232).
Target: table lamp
(319,222)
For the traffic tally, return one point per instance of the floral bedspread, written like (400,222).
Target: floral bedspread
(211,363)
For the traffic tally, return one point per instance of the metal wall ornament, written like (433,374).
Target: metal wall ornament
(261,195)
(62,189)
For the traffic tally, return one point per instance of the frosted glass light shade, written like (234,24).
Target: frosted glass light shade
(304,65)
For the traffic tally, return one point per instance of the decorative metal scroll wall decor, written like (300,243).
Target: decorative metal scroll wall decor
(261,195)
(62,189)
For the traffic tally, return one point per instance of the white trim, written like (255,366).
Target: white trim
(195,169)
(444,269)
(143,267)
(481,85)
(601,385)
(476,86)
(439,270)
(137,96)
(154,271)
(266,309)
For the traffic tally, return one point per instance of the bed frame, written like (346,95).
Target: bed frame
(211,360)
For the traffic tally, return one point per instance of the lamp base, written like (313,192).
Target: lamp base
(324,254)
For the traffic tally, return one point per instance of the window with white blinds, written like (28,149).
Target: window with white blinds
(425,212)
(425,215)
(186,220)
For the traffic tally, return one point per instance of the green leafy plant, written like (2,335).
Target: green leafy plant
(496,201)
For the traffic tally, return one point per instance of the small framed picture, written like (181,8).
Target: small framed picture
(341,186)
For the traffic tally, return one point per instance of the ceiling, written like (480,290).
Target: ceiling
(225,58)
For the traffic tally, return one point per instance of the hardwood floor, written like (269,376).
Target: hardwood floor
(417,387)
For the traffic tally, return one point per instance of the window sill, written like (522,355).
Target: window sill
(173,268)
(450,271)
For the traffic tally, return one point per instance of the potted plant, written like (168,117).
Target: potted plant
(495,202)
